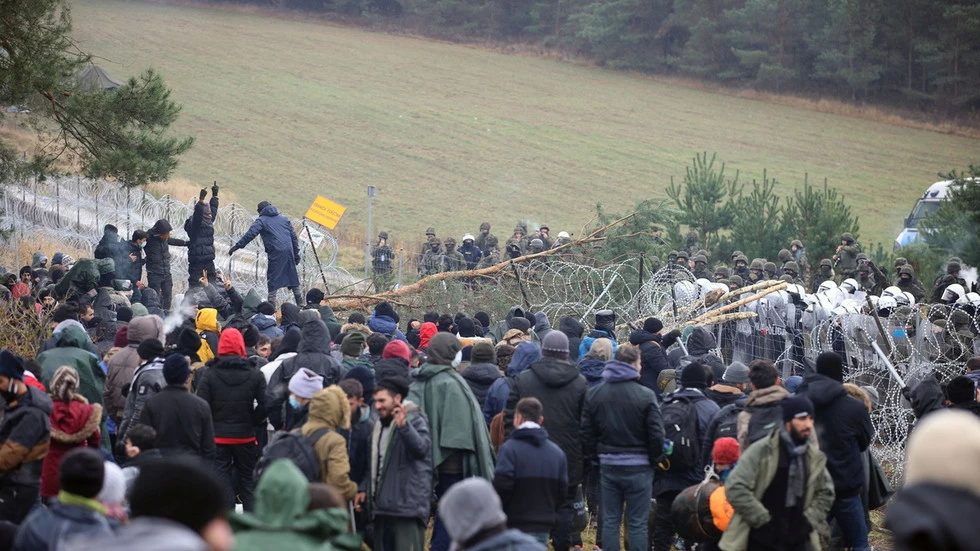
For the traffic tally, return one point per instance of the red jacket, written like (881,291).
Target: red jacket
(73,425)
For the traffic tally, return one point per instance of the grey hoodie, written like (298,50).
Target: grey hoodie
(145,534)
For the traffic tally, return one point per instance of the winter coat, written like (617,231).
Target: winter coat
(541,325)
(843,426)
(510,540)
(705,409)
(25,434)
(281,245)
(499,392)
(281,520)
(573,330)
(501,327)
(653,358)
(145,534)
(402,485)
(147,381)
(455,420)
(200,233)
(586,344)
(760,401)
(480,376)
(933,516)
(390,367)
(108,244)
(158,250)
(359,445)
(52,342)
(386,326)
(723,394)
(313,353)
(54,527)
(235,392)
(182,421)
(531,479)
(151,299)
(123,364)
(561,389)
(329,409)
(73,425)
(267,325)
(751,477)
(591,369)
(622,416)
(71,351)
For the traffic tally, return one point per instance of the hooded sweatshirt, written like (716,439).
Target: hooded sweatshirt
(232,388)
(573,330)
(123,364)
(524,355)
(329,409)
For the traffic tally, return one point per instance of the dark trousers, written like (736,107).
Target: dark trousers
(630,487)
(663,531)
(164,286)
(235,464)
(16,501)
(849,513)
(440,538)
(195,271)
(297,295)
(563,535)
(398,534)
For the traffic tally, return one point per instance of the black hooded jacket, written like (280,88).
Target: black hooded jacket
(843,426)
(231,387)
(653,357)
(480,376)
(313,353)
(151,300)
(929,516)
(699,346)
(573,330)
(561,389)
(200,233)
(158,250)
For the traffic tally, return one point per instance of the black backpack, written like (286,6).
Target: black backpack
(764,421)
(727,422)
(680,419)
(295,447)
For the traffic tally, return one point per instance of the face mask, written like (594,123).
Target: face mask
(143,245)
(293,402)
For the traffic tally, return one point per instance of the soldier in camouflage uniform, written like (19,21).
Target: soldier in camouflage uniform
(792,269)
(909,284)
(430,234)
(701,268)
(825,273)
(517,244)
(798,251)
(899,262)
(452,260)
(846,256)
(770,269)
(481,237)
(431,262)
(722,272)
(544,234)
(381,258)
(871,279)
(741,268)
(491,255)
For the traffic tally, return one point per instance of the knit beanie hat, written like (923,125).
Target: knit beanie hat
(792,383)
(961,390)
(652,325)
(555,345)
(386,309)
(519,323)
(305,383)
(188,341)
(250,335)
(737,373)
(149,349)
(795,407)
(483,353)
(81,472)
(314,296)
(397,349)
(944,449)
(176,370)
(694,375)
(194,502)
(466,328)
(11,365)
(725,451)
(113,485)
(484,319)
(830,364)
(468,508)
(64,384)
(266,308)
(353,344)
(122,337)
(394,385)
(443,348)
(139,310)
(124,314)
(365,376)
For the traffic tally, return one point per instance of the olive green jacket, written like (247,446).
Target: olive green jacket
(751,477)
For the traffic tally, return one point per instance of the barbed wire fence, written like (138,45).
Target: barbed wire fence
(918,341)
(72,211)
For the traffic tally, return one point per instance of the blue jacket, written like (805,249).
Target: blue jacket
(526,354)
(511,540)
(50,528)
(281,245)
(531,478)
(266,325)
(591,369)
(386,326)
(586,344)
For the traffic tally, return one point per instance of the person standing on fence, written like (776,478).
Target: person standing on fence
(200,238)
(157,261)
(282,247)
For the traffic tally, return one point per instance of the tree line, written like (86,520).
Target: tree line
(922,54)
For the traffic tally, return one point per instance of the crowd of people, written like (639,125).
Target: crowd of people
(245,424)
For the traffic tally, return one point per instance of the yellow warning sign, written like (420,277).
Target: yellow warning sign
(325,212)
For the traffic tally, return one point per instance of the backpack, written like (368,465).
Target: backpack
(763,421)
(295,447)
(727,422)
(680,419)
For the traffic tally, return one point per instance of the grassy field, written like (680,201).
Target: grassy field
(453,135)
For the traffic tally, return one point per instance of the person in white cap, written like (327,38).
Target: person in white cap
(471,253)
(302,386)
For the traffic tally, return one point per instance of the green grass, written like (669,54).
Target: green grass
(453,135)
